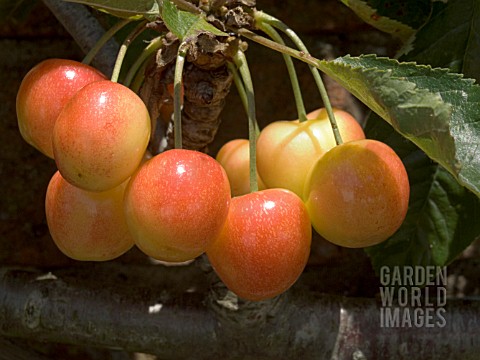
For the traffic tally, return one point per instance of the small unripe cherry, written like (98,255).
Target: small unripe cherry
(357,193)
(101,135)
(176,204)
(88,226)
(43,93)
(234,156)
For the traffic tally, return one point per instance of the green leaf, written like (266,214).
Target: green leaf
(450,39)
(437,110)
(184,24)
(399,18)
(148,9)
(442,219)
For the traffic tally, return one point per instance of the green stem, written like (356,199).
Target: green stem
(139,78)
(297,93)
(300,55)
(123,49)
(151,48)
(177,94)
(241,90)
(241,63)
(103,40)
(263,18)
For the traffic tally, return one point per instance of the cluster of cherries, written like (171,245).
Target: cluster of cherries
(107,196)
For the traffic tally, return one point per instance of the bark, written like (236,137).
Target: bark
(86,31)
(206,84)
(205,93)
(181,312)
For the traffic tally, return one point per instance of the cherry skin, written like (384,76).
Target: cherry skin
(287,150)
(43,93)
(101,135)
(357,194)
(265,244)
(88,226)
(234,156)
(176,204)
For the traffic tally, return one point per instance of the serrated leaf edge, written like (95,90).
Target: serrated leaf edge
(451,165)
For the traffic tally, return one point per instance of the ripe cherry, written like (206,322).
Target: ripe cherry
(264,245)
(101,135)
(43,93)
(176,204)
(357,193)
(87,225)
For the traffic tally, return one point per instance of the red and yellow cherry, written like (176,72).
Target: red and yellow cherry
(176,204)
(100,136)
(234,156)
(89,226)
(43,93)
(357,193)
(265,244)
(287,150)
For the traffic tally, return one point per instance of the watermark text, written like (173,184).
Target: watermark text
(413,296)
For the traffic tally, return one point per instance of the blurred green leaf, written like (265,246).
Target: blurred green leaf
(450,39)
(399,18)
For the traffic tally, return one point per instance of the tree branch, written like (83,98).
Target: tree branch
(178,313)
(86,31)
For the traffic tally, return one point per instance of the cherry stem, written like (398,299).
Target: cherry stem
(139,78)
(103,40)
(297,93)
(241,90)
(302,55)
(151,48)
(178,94)
(241,62)
(123,49)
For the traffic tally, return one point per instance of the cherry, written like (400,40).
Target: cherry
(234,156)
(176,204)
(265,244)
(101,136)
(87,225)
(357,193)
(287,150)
(43,93)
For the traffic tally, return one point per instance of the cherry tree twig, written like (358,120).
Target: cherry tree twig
(85,30)
(176,313)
